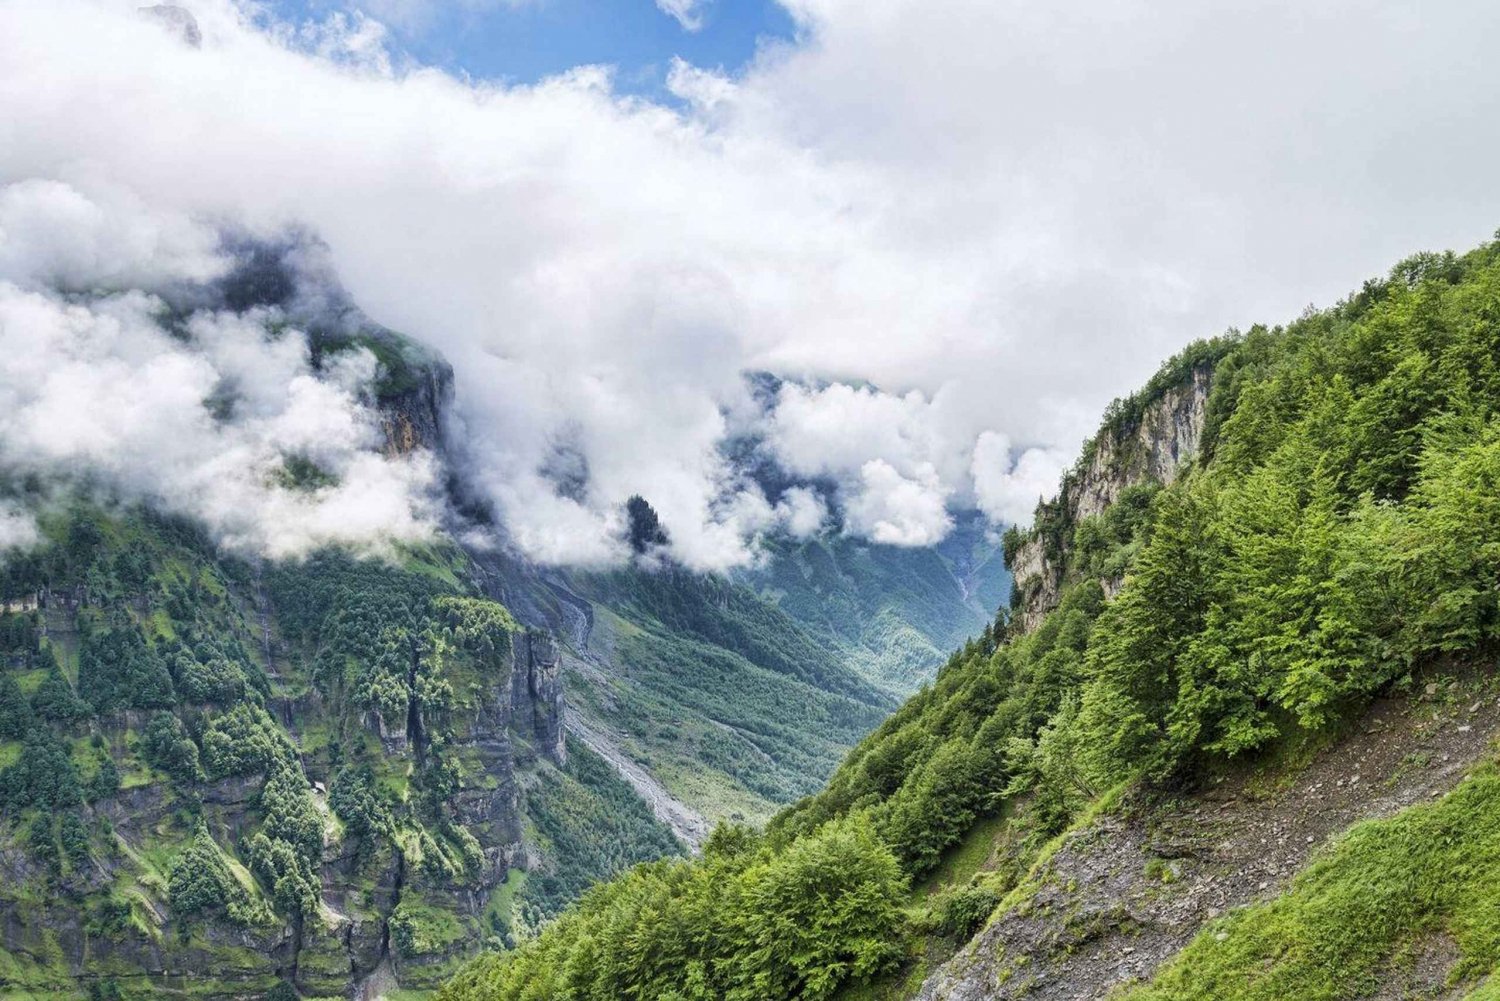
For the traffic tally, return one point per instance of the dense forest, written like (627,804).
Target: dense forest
(1336,533)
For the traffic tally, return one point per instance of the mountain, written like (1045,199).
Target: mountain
(892,612)
(233,776)
(1233,739)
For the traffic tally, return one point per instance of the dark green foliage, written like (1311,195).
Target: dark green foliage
(1340,528)
(117,669)
(358,804)
(283,991)
(893,612)
(105,990)
(18,633)
(55,699)
(43,777)
(244,741)
(593,826)
(105,782)
(42,842)
(214,679)
(15,710)
(644,531)
(285,853)
(165,744)
(201,884)
(75,840)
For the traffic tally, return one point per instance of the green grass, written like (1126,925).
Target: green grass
(964,860)
(1357,910)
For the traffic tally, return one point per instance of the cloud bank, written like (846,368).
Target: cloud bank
(1001,214)
(199,417)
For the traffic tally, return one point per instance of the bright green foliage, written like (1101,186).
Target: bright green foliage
(105,782)
(55,699)
(591,824)
(744,923)
(201,883)
(1431,870)
(359,804)
(1340,527)
(244,741)
(74,837)
(285,853)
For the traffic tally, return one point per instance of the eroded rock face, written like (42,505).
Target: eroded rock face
(1157,448)
(1124,894)
(537,692)
(412,417)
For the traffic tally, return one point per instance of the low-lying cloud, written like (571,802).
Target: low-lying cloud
(1002,215)
(200,417)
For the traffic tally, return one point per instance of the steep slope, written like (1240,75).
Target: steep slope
(1159,729)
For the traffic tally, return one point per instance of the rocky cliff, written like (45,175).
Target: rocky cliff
(1149,439)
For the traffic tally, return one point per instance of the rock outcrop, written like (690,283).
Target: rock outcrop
(536,693)
(1154,448)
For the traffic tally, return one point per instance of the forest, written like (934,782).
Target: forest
(1337,532)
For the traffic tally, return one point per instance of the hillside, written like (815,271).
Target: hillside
(1261,611)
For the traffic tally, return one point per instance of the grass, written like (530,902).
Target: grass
(1347,919)
(964,860)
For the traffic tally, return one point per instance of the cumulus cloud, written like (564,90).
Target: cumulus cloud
(1008,482)
(1001,214)
(899,510)
(200,419)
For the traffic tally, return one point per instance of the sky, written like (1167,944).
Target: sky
(958,228)
(523,41)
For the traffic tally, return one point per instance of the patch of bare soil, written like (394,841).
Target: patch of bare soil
(1122,896)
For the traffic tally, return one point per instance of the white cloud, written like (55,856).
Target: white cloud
(897,510)
(94,388)
(18,528)
(801,512)
(688,13)
(1012,210)
(1008,484)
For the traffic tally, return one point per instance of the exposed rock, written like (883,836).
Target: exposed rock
(536,692)
(1155,448)
(1110,888)
(412,416)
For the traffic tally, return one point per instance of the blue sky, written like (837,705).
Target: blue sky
(523,42)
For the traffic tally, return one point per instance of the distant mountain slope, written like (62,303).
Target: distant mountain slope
(893,612)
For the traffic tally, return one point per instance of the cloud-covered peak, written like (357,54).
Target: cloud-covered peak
(1001,216)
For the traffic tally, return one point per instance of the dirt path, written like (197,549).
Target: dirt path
(1126,894)
(685,822)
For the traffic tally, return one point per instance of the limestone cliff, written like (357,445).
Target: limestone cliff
(1155,439)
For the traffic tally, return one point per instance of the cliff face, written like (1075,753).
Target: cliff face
(1155,447)
(405,898)
(412,415)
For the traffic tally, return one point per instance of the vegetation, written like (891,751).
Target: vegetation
(1430,871)
(1338,531)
